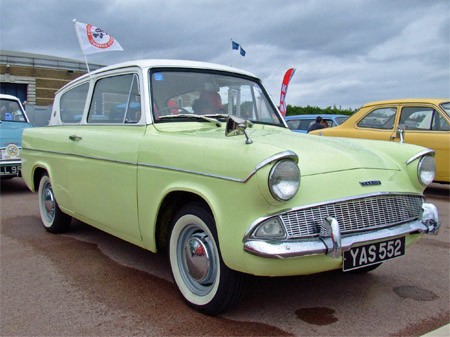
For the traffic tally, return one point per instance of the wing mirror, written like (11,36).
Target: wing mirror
(400,133)
(237,126)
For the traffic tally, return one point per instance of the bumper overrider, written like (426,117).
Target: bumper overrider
(331,240)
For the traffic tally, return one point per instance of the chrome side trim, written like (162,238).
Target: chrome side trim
(282,155)
(420,154)
(192,172)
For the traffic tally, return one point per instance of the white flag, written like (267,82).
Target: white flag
(94,40)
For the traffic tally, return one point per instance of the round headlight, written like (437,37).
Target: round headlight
(426,170)
(284,180)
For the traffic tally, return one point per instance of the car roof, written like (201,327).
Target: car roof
(408,100)
(325,116)
(4,96)
(163,63)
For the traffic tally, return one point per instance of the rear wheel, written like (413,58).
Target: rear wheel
(197,267)
(53,219)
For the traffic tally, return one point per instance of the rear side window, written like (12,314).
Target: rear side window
(382,118)
(72,104)
(423,118)
(116,100)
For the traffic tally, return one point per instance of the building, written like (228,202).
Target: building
(35,78)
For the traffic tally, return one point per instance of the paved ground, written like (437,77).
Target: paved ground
(87,283)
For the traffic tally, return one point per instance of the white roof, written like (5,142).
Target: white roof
(4,96)
(169,63)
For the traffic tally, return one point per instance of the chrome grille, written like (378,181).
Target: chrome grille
(354,215)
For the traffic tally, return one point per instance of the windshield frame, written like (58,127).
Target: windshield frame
(17,115)
(445,106)
(222,76)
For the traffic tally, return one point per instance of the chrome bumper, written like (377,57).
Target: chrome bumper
(330,241)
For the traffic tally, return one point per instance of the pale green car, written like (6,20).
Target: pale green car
(195,159)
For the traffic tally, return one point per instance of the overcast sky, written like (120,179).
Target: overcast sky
(345,52)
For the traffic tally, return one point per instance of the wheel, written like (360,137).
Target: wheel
(365,269)
(53,219)
(202,278)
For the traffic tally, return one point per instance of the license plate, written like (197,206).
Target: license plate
(9,170)
(373,253)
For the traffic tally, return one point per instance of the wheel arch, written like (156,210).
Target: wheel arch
(37,174)
(170,205)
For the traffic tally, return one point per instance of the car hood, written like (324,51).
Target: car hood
(11,132)
(316,154)
(319,155)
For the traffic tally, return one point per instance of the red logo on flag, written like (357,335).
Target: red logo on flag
(98,38)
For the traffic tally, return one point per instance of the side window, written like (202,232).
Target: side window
(71,104)
(439,123)
(382,118)
(116,100)
(417,118)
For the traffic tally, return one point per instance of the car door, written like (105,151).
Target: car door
(378,123)
(103,168)
(427,126)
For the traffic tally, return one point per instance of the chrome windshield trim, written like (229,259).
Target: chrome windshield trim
(420,154)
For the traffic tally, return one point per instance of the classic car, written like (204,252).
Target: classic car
(200,164)
(301,123)
(13,120)
(424,122)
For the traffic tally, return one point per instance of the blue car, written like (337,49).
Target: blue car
(301,123)
(13,121)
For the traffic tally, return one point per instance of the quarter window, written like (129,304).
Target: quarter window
(382,118)
(72,104)
(116,100)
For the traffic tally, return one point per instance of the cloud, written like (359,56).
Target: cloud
(346,52)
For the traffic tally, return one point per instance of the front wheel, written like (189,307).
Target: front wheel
(53,219)
(197,267)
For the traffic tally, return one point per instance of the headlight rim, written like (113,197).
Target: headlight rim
(420,167)
(272,173)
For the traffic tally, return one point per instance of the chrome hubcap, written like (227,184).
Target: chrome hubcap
(48,202)
(197,259)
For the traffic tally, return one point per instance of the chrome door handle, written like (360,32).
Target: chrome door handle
(75,138)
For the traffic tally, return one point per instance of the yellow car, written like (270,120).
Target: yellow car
(423,122)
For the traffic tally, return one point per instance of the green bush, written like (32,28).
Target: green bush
(299,110)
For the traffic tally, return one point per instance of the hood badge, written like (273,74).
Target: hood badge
(370,183)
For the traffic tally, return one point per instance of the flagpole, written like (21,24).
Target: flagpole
(231,63)
(81,46)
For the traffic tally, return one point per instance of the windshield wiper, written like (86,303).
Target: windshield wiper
(203,117)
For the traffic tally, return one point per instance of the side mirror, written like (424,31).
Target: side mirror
(400,133)
(237,126)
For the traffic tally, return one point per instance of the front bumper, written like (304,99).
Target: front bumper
(10,168)
(330,242)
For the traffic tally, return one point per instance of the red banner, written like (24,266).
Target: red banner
(284,86)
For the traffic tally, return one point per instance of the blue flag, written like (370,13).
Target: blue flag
(234,45)
(242,51)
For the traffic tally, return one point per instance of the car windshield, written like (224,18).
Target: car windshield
(184,95)
(340,120)
(446,107)
(11,111)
